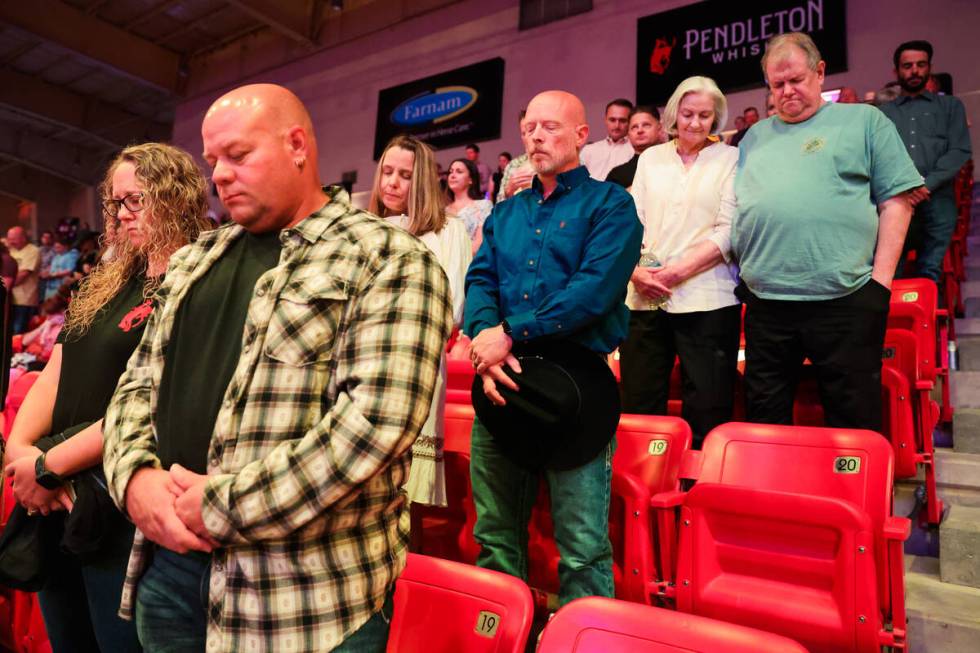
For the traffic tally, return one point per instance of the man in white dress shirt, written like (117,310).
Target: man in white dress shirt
(602,156)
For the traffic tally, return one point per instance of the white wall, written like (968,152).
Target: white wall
(592,55)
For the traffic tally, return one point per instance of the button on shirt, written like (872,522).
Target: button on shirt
(933,128)
(602,156)
(312,443)
(557,266)
(681,207)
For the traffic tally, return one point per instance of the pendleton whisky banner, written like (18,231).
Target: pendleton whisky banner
(725,40)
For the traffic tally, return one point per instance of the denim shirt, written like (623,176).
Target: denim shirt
(557,267)
(933,128)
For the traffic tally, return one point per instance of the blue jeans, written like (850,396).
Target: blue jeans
(930,232)
(20,316)
(80,602)
(172,602)
(504,494)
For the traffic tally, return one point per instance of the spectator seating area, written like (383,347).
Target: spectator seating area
(770,538)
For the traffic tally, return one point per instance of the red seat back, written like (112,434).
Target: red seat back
(600,625)
(15,397)
(442,605)
(782,512)
(459,374)
(899,372)
(913,307)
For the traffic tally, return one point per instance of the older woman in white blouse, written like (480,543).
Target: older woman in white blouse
(686,305)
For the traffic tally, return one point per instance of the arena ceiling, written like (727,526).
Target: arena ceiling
(79,79)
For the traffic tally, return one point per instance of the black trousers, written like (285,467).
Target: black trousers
(706,343)
(843,339)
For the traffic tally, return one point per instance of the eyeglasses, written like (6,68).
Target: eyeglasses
(134,202)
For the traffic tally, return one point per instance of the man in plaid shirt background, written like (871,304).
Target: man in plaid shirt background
(282,381)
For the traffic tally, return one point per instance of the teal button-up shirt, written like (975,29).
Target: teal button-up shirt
(557,267)
(933,128)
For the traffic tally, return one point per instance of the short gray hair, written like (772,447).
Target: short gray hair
(696,84)
(780,42)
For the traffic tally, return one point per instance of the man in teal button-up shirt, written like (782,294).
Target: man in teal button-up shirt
(554,264)
(933,128)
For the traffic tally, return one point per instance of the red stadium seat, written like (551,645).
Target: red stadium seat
(15,397)
(914,306)
(444,530)
(598,625)
(647,462)
(790,529)
(447,606)
(459,374)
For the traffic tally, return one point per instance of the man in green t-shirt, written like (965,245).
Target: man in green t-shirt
(823,207)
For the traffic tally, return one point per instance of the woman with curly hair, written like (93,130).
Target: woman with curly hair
(154,200)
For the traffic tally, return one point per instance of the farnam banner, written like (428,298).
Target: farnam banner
(452,108)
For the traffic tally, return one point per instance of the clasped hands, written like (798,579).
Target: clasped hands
(655,283)
(166,507)
(28,493)
(489,352)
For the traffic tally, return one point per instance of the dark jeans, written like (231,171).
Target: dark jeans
(843,339)
(20,316)
(504,494)
(80,602)
(706,343)
(930,232)
(172,600)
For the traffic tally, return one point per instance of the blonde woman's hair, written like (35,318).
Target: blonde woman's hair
(426,202)
(175,198)
(696,84)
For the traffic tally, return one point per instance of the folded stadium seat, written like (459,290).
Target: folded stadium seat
(15,397)
(909,415)
(647,462)
(952,296)
(790,529)
(915,306)
(443,527)
(442,605)
(599,625)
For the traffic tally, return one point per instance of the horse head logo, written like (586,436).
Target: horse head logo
(660,58)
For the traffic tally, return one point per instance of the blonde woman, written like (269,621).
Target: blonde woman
(682,296)
(406,192)
(154,200)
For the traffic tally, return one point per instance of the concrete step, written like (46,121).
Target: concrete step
(971,307)
(956,469)
(970,289)
(951,496)
(967,326)
(966,430)
(959,547)
(968,350)
(942,617)
(965,388)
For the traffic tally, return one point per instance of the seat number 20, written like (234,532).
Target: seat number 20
(847,465)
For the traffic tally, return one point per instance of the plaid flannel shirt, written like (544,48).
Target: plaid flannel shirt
(311,447)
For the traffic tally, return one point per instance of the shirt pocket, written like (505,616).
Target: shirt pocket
(305,320)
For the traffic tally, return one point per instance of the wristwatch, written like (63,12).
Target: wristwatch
(45,477)
(506,328)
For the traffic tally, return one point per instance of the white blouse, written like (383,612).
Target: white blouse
(453,250)
(681,207)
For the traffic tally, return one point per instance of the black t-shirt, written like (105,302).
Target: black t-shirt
(91,363)
(204,348)
(623,174)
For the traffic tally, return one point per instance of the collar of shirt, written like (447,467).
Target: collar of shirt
(566,181)
(610,141)
(312,227)
(925,95)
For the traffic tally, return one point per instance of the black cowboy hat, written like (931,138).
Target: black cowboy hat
(565,411)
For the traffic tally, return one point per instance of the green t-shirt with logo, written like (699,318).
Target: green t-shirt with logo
(807,218)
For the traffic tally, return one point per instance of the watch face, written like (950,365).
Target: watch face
(45,478)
